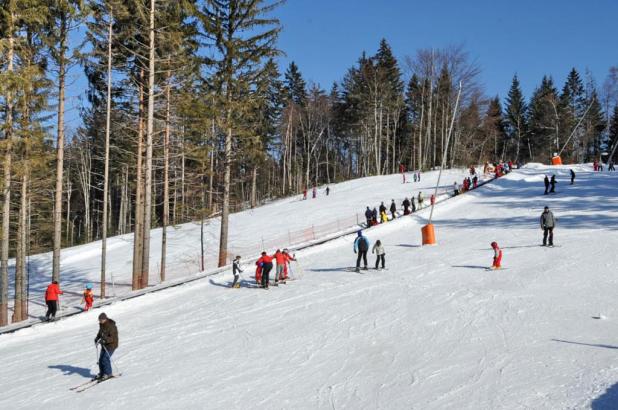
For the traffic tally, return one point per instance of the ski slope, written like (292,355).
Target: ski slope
(434,331)
(274,224)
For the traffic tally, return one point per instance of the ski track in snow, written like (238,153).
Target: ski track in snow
(434,331)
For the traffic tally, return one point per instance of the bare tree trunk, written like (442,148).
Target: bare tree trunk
(149,137)
(6,205)
(19,313)
(59,154)
(138,244)
(69,190)
(254,187)
(166,193)
(225,210)
(108,117)
(211,169)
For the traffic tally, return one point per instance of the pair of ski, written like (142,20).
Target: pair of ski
(91,383)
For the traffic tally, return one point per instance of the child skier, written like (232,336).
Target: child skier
(236,270)
(497,256)
(383,217)
(288,259)
(88,298)
(378,249)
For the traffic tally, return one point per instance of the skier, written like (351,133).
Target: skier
(382,208)
(595,165)
(546,182)
(374,217)
(419,176)
(315,192)
(383,217)
(402,171)
(266,262)
(393,208)
(497,256)
(414,176)
(368,215)
(406,206)
(361,246)
(455,189)
(548,223)
(378,249)
(572,176)
(280,258)
(108,339)
(327,191)
(420,200)
(236,270)
(432,199)
(88,297)
(304,193)
(413,203)
(288,258)
(611,166)
(475,182)
(258,273)
(552,182)
(51,300)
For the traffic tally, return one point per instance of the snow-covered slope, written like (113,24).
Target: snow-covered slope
(434,331)
(269,227)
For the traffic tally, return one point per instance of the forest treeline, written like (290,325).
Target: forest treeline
(189,115)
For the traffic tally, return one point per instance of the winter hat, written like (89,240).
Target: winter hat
(89,286)
(494,245)
(546,208)
(55,282)
(102,316)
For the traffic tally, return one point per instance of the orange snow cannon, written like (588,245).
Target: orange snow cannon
(556,160)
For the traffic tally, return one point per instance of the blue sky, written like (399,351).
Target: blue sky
(530,38)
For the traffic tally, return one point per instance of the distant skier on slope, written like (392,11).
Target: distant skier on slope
(420,200)
(236,270)
(406,206)
(88,297)
(393,208)
(266,262)
(368,216)
(572,176)
(107,337)
(552,183)
(382,208)
(378,249)
(361,246)
(497,256)
(548,223)
(546,182)
(51,300)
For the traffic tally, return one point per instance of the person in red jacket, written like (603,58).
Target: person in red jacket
(281,260)
(51,299)
(266,262)
(88,297)
(497,256)
(288,258)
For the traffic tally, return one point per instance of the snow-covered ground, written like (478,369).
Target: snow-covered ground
(434,331)
(276,225)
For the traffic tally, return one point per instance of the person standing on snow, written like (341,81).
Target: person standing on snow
(406,206)
(378,249)
(572,176)
(393,208)
(548,223)
(382,208)
(88,297)
(552,182)
(236,270)
(374,217)
(315,192)
(361,246)
(51,300)
(546,182)
(611,166)
(414,176)
(327,191)
(280,258)
(288,258)
(305,193)
(368,216)
(108,339)
(419,176)
(266,262)
(420,200)
(413,203)
(497,256)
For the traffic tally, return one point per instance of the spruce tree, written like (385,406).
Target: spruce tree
(516,124)
(612,143)
(544,120)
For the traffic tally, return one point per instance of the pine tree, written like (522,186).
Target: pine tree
(573,106)
(516,124)
(544,120)
(244,35)
(493,127)
(612,143)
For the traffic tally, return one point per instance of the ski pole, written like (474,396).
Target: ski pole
(113,362)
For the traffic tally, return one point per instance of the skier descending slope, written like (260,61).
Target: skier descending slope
(236,270)
(51,300)
(546,182)
(548,223)
(497,256)
(361,246)
(108,339)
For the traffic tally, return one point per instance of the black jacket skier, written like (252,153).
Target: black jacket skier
(552,182)
(368,216)
(382,208)
(393,208)
(548,223)
(546,181)
(406,206)
(572,177)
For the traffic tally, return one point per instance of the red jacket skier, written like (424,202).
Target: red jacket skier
(497,256)
(288,258)
(51,299)
(281,260)
(265,264)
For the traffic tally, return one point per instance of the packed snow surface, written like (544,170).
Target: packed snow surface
(434,331)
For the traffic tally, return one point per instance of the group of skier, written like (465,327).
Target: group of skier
(361,248)
(264,265)
(314,192)
(380,214)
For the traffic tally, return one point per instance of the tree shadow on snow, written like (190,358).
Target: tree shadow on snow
(69,370)
(586,344)
(470,266)
(608,400)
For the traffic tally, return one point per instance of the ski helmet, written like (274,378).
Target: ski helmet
(89,286)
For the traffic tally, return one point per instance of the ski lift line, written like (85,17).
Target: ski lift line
(576,127)
(448,139)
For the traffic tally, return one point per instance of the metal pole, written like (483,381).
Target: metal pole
(576,127)
(448,138)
